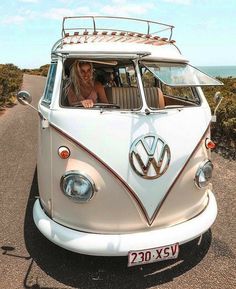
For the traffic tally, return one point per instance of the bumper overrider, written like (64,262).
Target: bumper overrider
(121,244)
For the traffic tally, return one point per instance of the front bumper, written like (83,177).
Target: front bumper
(121,244)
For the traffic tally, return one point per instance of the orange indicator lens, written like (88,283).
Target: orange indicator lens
(210,144)
(63,152)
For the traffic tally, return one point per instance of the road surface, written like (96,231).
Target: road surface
(28,260)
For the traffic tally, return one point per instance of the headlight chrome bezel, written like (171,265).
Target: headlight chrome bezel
(85,178)
(201,170)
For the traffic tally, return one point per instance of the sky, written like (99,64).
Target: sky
(205,30)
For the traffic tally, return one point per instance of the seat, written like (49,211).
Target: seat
(125,97)
(154,97)
(129,97)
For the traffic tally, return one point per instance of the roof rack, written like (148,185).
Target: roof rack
(91,31)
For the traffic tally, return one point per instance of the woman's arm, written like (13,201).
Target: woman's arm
(100,92)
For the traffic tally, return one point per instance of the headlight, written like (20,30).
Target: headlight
(204,174)
(77,186)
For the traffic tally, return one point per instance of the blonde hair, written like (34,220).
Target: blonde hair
(76,81)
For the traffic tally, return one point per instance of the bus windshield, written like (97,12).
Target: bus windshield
(180,74)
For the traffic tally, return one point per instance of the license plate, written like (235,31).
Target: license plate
(146,256)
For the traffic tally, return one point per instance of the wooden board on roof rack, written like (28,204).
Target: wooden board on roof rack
(144,29)
(77,38)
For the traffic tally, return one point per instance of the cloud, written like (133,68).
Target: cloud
(59,13)
(23,15)
(28,1)
(184,2)
(13,19)
(28,14)
(127,9)
(123,7)
(119,2)
(66,1)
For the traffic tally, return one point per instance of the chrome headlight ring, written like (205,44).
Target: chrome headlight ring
(204,174)
(77,186)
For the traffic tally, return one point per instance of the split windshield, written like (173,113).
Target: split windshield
(166,85)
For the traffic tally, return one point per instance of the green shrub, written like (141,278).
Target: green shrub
(10,82)
(224,130)
(43,70)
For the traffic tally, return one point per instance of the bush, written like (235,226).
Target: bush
(43,70)
(10,82)
(224,130)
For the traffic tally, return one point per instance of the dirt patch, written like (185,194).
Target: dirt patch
(5,107)
(2,111)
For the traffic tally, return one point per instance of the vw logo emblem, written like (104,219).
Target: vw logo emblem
(149,156)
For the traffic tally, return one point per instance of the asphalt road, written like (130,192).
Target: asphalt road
(28,260)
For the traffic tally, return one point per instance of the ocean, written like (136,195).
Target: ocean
(221,71)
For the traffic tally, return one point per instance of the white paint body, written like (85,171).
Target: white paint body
(120,244)
(121,218)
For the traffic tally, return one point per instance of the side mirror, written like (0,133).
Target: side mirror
(24,97)
(217,98)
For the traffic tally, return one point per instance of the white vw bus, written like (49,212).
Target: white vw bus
(131,177)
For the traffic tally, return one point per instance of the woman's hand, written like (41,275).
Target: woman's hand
(87,103)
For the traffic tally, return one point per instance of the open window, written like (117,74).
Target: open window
(117,76)
(177,81)
(180,74)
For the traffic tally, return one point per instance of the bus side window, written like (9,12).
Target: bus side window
(47,98)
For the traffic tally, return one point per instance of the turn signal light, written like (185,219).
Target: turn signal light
(63,152)
(210,144)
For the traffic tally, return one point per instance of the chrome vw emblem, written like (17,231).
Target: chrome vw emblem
(149,156)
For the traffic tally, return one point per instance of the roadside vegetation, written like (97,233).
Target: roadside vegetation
(42,70)
(11,78)
(223,131)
